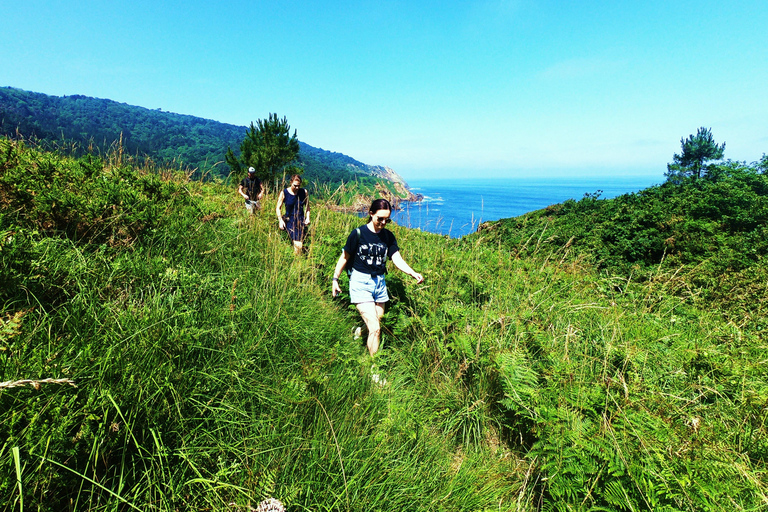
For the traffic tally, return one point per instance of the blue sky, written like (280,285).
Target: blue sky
(431,89)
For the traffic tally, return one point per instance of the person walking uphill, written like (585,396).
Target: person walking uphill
(294,221)
(252,191)
(368,247)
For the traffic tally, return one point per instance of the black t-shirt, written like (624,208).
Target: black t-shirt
(252,187)
(371,250)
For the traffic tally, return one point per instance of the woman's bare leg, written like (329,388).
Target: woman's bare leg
(372,313)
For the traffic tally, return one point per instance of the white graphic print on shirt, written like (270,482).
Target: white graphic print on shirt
(373,254)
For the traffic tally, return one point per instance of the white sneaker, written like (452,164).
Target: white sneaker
(378,379)
(375,377)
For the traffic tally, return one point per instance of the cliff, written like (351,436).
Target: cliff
(403,192)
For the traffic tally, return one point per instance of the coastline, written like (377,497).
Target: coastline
(457,207)
(361,202)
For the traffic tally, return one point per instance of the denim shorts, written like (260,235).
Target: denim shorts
(367,288)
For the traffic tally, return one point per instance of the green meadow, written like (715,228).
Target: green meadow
(162,350)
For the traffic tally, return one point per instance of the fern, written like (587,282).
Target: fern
(519,382)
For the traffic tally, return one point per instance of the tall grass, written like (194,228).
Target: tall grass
(214,370)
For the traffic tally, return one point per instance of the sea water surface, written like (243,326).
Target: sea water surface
(455,207)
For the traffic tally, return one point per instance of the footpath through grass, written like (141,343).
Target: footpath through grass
(200,366)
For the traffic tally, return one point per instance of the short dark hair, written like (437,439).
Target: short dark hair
(296,177)
(380,204)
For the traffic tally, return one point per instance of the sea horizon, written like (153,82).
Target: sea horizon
(455,207)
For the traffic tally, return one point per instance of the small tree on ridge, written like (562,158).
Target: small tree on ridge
(696,150)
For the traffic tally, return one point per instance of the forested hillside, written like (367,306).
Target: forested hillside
(176,140)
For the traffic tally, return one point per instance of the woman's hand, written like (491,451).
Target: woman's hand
(400,263)
(340,265)
(281,223)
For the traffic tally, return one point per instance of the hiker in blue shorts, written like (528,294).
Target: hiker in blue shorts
(368,248)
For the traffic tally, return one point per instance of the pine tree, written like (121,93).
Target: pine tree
(267,147)
(696,150)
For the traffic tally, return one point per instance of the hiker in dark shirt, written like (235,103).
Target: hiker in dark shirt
(368,248)
(294,222)
(252,191)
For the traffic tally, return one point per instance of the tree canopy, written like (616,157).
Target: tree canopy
(81,124)
(696,150)
(91,124)
(268,147)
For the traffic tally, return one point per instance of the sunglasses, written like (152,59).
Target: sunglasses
(382,221)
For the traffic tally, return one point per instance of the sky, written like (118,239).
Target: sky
(487,88)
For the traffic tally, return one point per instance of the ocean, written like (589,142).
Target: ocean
(455,207)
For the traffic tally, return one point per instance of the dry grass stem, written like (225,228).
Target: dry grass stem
(35,383)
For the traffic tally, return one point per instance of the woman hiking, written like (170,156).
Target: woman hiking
(368,248)
(294,221)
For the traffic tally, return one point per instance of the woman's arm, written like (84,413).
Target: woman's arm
(279,211)
(306,209)
(400,263)
(335,288)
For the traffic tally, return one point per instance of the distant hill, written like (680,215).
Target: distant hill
(182,140)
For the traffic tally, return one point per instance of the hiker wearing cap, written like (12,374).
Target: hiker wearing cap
(252,191)
(366,251)
(294,222)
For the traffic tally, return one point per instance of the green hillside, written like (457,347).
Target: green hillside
(712,233)
(160,350)
(82,124)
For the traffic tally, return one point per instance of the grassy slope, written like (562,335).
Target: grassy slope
(712,233)
(214,368)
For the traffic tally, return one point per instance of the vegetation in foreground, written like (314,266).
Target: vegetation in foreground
(199,366)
